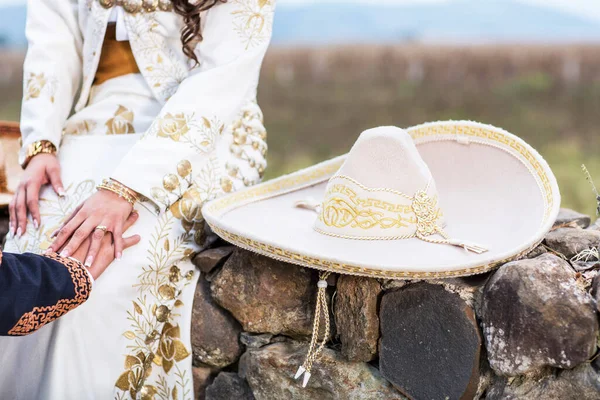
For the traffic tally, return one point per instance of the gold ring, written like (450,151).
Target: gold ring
(102,228)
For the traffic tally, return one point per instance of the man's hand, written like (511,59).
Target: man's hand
(41,170)
(106,252)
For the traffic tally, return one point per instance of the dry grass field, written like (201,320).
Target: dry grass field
(317,101)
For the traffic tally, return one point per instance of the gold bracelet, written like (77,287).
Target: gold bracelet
(119,189)
(39,147)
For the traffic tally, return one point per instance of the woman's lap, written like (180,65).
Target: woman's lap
(140,307)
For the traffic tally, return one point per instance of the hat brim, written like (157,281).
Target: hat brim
(494,189)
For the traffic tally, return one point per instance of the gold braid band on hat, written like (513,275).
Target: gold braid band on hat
(351,210)
(120,190)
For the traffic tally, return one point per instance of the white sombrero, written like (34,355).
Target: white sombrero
(438,200)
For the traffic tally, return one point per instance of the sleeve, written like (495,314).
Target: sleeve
(36,290)
(52,70)
(236,35)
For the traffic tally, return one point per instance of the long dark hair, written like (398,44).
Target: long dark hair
(191,34)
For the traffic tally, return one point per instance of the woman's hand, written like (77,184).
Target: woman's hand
(106,253)
(103,208)
(41,170)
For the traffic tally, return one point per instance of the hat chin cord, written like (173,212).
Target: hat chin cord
(426,227)
(315,348)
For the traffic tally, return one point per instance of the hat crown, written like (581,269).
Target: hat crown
(384,190)
(386,157)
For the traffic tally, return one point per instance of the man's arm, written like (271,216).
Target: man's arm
(36,290)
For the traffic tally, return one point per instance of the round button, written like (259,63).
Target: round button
(165,5)
(107,3)
(132,6)
(150,5)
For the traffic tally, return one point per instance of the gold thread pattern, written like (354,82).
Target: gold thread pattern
(156,348)
(37,85)
(40,316)
(121,123)
(253,21)
(364,213)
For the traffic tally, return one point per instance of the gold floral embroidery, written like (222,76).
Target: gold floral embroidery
(200,133)
(38,84)
(248,145)
(173,126)
(40,316)
(163,69)
(121,123)
(154,335)
(55,210)
(253,21)
(184,194)
(83,127)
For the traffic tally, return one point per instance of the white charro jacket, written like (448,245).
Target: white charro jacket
(209,111)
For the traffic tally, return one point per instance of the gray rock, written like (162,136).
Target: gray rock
(255,341)
(569,242)
(229,386)
(270,373)
(430,343)
(265,295)
(356,317)
(595,291)
(573,219)
(537,251)
(215,332)
(535,315)
(580,383)
(205,238)
(209,259)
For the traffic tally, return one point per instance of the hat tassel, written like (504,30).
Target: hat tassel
(468,246)
(315,349)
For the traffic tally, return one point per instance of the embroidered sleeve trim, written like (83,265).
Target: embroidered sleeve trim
(40,316)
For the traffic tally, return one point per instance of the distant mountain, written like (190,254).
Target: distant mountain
(456,21)
(459,20)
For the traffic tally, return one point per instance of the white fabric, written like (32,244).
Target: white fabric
(198,104)
(167,132)
(81,355)
(493,187)
(118,16)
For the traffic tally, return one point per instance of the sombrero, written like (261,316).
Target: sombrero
(442,199)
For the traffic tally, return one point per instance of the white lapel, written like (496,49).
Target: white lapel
(163,68)
(92,46)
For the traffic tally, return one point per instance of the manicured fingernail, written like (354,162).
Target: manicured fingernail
(89,261)
(36,225)
(64,253)
(19,232)
(119,255)
(61,192)
(48,250)
(11,229)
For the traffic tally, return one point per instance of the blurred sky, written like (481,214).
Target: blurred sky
(439,21)
(588,8)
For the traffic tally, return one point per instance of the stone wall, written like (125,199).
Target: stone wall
(528,330)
